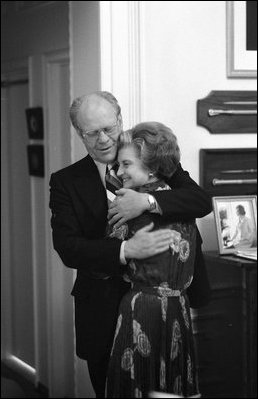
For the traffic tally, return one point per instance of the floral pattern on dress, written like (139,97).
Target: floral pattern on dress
(180,245)
(185,315)
(121,232)
(127,359)
(175,241)
(153,348)
(143,344)
(184,250)
(176,340)
(162,373)
(189,370)
(141,340)
(164,306)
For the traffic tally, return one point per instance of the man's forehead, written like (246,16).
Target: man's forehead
(94,101)
(98,106)
(94,109)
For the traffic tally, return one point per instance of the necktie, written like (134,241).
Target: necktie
(113,182)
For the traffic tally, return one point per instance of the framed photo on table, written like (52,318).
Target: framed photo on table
(241,17)
(236,223)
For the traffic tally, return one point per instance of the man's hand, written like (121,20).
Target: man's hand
(146,243)
(128,205)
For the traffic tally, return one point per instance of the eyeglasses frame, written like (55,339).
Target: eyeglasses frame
(86,135)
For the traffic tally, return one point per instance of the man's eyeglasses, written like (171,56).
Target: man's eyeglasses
(94,134)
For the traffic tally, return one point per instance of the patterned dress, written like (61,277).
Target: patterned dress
(153,348)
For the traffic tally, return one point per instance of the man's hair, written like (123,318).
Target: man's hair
(76,105)
(156,146)
(241,209)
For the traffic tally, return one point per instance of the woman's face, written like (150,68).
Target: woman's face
(131,169)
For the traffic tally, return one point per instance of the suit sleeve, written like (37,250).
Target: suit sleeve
(186,201)
(75,249)
(199,292)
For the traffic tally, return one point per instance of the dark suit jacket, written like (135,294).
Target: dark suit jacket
(79,214)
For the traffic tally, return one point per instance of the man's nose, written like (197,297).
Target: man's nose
(103,137)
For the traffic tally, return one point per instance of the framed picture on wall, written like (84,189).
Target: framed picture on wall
(36,160)
(236,223)
(34,118)
(241,17)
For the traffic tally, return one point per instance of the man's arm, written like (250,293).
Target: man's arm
(72,241)
(88,248)
(186,201)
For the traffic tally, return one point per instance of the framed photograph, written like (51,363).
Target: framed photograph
(34,118)
(36,160)
(236,222)
(241,19)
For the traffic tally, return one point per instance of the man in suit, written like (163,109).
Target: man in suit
(79,207)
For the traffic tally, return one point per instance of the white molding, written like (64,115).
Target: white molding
(33,65)
(106,54)
(58,150)
(11,71)
(121,55)
(134,62)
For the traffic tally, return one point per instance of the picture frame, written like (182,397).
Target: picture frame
(241,62)
(236,222)
(34,117)
(35,154)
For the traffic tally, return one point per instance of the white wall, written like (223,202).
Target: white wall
(184,55)
(179,49)
(84,56)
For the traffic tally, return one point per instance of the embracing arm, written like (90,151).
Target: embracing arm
(70,240)
(187,200)
(83,245)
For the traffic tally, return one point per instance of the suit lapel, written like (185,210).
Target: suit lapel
(90,188)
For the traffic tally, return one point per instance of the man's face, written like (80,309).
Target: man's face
(101,127)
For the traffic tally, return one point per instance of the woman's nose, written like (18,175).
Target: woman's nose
(119,171)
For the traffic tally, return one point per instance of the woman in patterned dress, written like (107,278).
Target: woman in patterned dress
(153,348)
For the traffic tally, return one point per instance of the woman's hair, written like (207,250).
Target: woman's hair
(240,209)
(156,146)
(76,105)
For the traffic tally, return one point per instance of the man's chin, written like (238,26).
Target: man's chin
(106,157)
